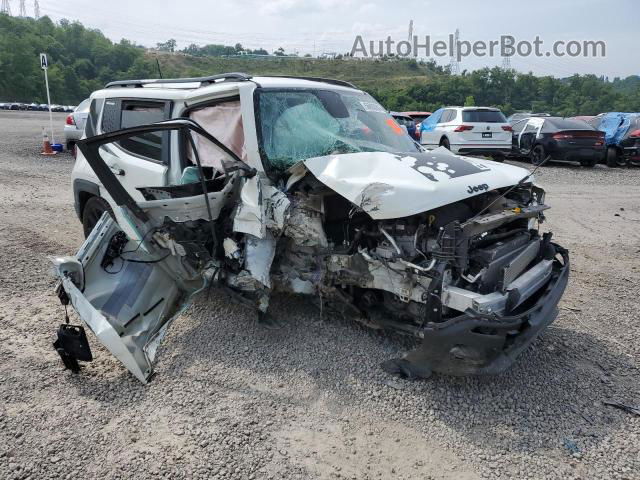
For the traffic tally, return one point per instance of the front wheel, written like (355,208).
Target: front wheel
(93,210)
(537,155)
(498,157)
(445,143)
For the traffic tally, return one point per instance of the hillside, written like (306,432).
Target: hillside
(83,60)
(365,74)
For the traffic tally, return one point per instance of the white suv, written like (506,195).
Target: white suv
(306,186)
(468,130)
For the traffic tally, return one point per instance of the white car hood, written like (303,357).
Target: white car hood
(387,185)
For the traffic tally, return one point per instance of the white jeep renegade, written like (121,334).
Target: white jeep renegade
(258,184)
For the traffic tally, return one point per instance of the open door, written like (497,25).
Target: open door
(132,277)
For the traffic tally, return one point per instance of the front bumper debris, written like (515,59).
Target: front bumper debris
(483,343)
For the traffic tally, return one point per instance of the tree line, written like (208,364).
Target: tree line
(83,60)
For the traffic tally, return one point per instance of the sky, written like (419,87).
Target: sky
(319,26)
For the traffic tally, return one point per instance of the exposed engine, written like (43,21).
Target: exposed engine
(393,273)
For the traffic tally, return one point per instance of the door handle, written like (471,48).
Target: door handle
(117,170)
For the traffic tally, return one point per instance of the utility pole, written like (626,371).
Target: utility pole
(23,9)
(411,31)
(36,10)
(5,8)
(455,65)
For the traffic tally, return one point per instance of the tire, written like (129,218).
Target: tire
(445,143)
(537,155)
(614,159)
(498,158)
(93,210)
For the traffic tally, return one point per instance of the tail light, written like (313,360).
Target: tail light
(70,120)
(463,128)
(635,134)
(507,128)
(562,136)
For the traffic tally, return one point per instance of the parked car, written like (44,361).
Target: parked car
(622,135)
(43,107)
(32,106)
(306,186)
(15,106)
(3,106)
(74,124)
(516,117)
(468,130)
(57,108)
(406,122)
(418,118)
(537,138)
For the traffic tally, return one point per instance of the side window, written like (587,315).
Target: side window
(448,115)
(148,145)
(530,128)
(125,113)
(518,126)
(223,120)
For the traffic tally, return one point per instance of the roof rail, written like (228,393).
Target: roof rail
(225,77)
(331,81)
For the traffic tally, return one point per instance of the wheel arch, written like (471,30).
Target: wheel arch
(83,190)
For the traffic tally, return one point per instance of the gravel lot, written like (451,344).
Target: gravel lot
(232,400)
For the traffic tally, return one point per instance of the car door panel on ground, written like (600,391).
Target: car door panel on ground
(141,160)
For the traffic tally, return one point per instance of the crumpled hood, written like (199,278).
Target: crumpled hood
(387,185)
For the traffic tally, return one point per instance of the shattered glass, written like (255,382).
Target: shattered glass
(297,125)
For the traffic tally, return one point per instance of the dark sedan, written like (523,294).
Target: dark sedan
(560,138)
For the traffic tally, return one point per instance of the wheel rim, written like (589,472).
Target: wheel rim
(536,156)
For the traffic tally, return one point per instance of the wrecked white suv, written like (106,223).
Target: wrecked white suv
(263,184)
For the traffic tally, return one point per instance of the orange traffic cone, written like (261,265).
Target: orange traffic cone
(46,145)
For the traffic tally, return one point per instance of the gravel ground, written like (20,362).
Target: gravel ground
(232,400)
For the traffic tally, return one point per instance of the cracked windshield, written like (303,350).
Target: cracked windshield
(296,125)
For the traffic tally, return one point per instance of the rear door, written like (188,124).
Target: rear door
(140,160)
(130,279)
(487,126)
